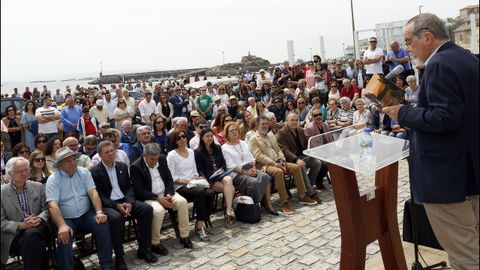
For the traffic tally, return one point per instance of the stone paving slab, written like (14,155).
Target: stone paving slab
(308,239)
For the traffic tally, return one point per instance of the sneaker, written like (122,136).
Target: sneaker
(287,209)
(316,198)
(306,200)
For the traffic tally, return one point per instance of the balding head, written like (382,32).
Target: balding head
(394,46)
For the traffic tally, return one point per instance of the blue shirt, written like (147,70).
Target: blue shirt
(71,193)
(401,53)
(70,116)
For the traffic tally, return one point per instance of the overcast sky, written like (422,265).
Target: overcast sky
(50,39)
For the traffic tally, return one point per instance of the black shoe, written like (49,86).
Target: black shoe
(186,241)
(159,249)
(146,255)
(120,263)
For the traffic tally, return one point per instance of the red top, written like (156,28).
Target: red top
(351,93)
(89,127)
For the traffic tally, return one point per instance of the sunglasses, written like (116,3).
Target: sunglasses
(121,102)
(42,141)
(39,159)
(301,102)
(202,127)
(373,41)
(181,137)
(317,115)
(159,122)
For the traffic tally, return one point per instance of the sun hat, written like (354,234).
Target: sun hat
(64,153)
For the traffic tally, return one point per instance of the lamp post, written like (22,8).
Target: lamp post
(420,9)
(223,57)
(311,57)
(353,30)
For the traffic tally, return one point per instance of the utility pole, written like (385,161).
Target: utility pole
(353,30)
(420,9)
(223,56)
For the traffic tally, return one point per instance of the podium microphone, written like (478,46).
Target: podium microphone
(397,70)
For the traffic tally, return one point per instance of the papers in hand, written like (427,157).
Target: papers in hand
(219,174)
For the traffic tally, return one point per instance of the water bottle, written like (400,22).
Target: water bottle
(366,144)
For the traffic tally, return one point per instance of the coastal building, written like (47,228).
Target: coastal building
(462,34)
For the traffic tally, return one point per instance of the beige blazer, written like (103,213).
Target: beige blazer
(258,147)
(11,212)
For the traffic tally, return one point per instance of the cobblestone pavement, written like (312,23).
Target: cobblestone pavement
(308,239)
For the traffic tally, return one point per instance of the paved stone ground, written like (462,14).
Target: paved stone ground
(308,239)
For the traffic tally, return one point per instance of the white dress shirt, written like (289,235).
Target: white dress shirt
(117,193)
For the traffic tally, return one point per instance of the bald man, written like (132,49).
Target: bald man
(398,56)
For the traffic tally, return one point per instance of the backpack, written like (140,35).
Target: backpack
(247,210)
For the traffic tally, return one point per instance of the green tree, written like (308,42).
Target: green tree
(452,24)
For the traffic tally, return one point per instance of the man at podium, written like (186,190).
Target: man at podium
(444,153)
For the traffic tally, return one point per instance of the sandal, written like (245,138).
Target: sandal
(202,234)
(229,220)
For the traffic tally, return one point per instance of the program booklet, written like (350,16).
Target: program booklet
(219,174)
(383,92)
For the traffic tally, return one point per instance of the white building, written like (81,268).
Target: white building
(389,31)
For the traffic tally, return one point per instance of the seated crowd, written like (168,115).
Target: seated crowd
(82,165)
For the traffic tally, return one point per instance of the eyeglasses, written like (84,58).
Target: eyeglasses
(145,133)
(408,41)
(181,137)
(233,130)
(39,159)
(72,146)
(317,115)
(42,141)
(332,104)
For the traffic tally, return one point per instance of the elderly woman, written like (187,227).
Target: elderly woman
(246,178)
(182,165)
(411,92)
(361,117)
(38,167)
(345,115)
(209,159)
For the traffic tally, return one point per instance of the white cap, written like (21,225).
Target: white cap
(99,102)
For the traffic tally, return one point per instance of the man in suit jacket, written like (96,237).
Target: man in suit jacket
(270,159)
(444,153)
(178,102)
(153,184)
(24,217)
(144,136)
(291,140)
(118,200)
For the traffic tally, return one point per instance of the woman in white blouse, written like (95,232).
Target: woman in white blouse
(181,162)
(246,178)
(121,113)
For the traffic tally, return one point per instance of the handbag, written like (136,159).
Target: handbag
(33,126)
(202,183)
(247,210)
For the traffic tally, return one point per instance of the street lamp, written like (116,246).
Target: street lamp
(420,9)
(223,56)
(353,30)
(311,57)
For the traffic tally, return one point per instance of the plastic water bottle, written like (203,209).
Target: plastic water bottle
(366,144)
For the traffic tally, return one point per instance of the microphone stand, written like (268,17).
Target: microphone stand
(416,265)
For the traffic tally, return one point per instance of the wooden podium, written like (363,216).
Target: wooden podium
(371,214)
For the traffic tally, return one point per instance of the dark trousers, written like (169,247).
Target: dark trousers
(87,223)
(31,244)
(143,213)
(202,199)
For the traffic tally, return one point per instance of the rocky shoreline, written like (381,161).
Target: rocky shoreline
(250,62)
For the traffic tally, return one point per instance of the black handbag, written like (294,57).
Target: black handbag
(249,213)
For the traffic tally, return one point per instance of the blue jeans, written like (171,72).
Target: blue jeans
(86,223)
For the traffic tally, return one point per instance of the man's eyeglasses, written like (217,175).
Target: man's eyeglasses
(72,146)
(408,41)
